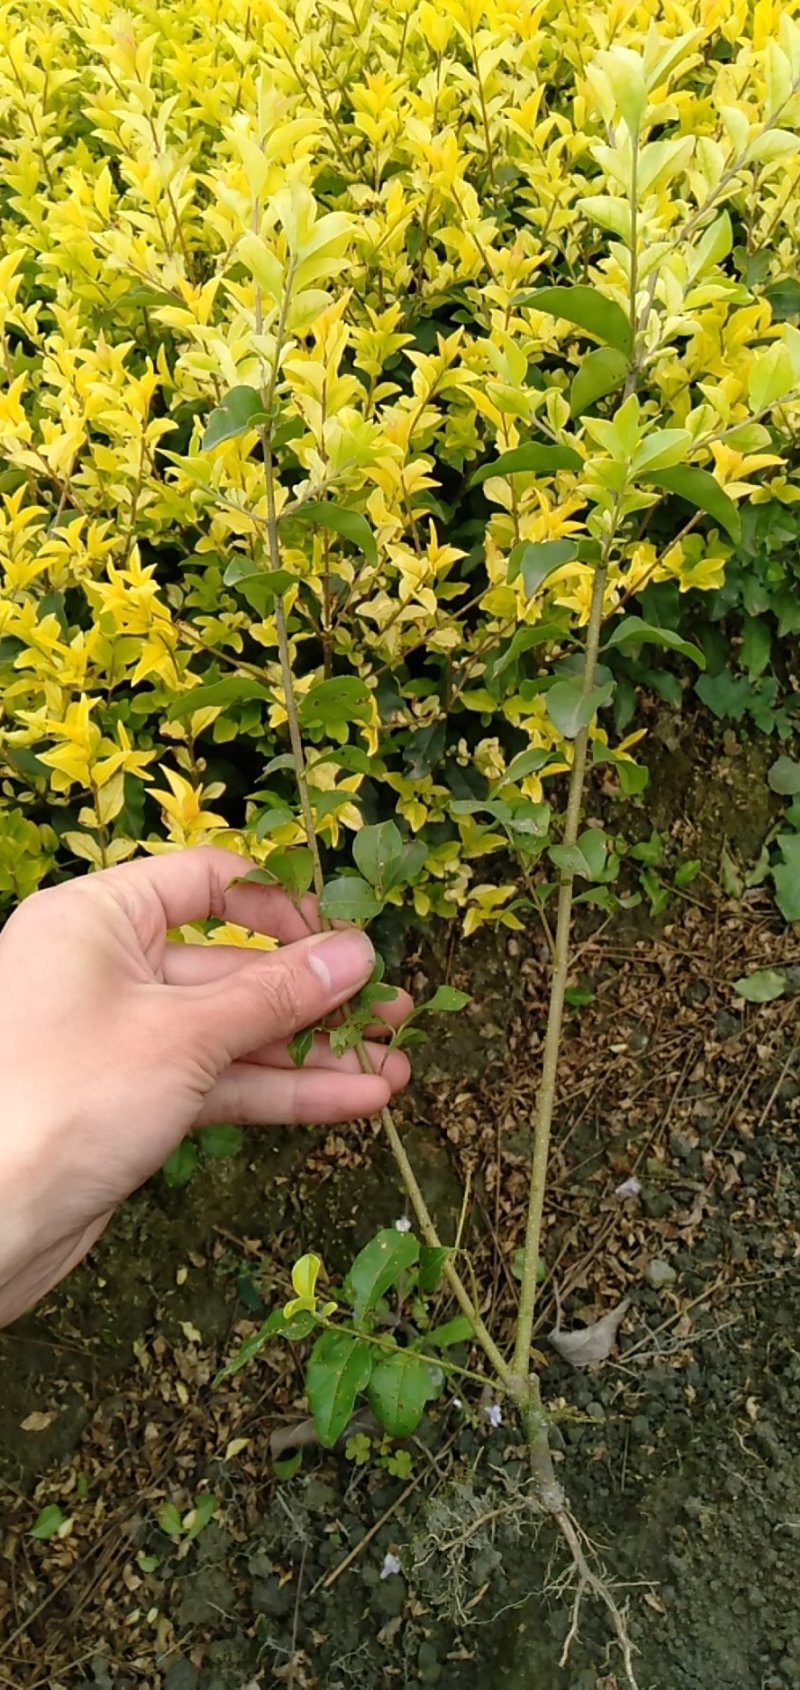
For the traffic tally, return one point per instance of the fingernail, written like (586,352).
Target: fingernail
(342,961)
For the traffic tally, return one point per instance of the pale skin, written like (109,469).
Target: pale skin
(115,1041)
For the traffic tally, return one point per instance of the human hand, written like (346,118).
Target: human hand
(115,1042)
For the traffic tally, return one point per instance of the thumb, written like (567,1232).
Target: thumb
(279,993)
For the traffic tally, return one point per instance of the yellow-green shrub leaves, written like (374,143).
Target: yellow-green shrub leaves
(522,328)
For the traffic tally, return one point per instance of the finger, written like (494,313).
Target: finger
(392,1065)
(391,1013)
(198,965)
(270,999)
(195,884)
(249,1095)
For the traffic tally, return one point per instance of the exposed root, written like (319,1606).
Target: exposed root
(592,1583)
(549,1493)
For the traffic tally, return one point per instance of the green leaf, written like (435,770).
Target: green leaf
(537,559)
(528,823)
(700,489)
(424,749)
(570,708)
(756,646)
(378,1265)
(632,777)
(292,867)
(230,691)
(649,851)
(587,309)
(409,864)
(269,821)
(725,694)
(527,763)
(259,587)
(48,1522)
(432,1258)
(241,409)
(786,877)
(542,460)
(349,757)
(339,1369)
(687,872)
(587,857)
(377,850)
(180,1166)
(633,631)
(349,898)
(784,777)
(594,845)
(784,299)
(455,1331)
(447,1000)
(169,1519)
(408,1035)
(300,1046)
(290,1465)
(398,1390)
(658,895)
(570,860)
(762,986)
(601,372)
(518,1266)
(350,524)
(343,698)
(221,1141)
(284,761)
(204,1506)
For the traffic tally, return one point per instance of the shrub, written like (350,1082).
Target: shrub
(480,225)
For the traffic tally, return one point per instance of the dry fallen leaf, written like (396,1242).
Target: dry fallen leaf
(235,1447)
(590,1344)
(37,1422)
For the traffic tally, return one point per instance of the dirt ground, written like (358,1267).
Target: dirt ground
(681,1454)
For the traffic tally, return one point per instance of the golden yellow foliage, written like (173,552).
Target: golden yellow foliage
(366,202)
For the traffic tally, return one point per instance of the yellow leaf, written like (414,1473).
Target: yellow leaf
(235,1448)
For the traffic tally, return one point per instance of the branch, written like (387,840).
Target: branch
(547,1085)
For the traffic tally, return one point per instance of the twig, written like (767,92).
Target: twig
(296,1620)
(358,1548)
(776,1088)
(702,1297)
(547,1085)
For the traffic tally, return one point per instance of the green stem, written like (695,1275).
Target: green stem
(290,702)
(547,1085)
(427,1228)
(634,276)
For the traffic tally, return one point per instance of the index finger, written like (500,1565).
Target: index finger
(197,883)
